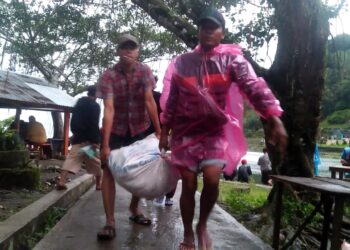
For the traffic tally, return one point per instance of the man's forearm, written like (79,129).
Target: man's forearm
(106,129)
(153,114)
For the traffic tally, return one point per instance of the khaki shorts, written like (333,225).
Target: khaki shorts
(75,159)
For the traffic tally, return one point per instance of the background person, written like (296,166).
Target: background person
(230,177)
(265,167)
(316,161)
(345,156)
(36,133)
(86,132)
(129,110)
(244,172)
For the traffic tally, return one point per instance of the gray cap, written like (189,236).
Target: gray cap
(127,38)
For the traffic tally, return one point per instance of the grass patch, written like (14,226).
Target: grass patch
(237,199)
(255,144)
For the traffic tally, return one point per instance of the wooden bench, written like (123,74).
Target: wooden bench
(340,171)
(331,190)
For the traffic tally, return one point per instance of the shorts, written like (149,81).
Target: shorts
(210,150)
(117,141)
(75,159)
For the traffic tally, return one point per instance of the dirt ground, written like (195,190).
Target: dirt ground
(11,201)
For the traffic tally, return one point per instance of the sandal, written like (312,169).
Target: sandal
(106,233)
(140,219)
(187,246)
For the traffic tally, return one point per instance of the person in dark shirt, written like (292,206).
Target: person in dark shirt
(230,177)
(244,171)
(85,141)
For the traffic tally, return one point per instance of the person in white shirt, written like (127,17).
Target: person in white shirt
(265,167)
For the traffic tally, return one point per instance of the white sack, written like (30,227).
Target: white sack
(141,170)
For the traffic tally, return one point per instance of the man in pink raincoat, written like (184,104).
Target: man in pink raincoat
(202,108)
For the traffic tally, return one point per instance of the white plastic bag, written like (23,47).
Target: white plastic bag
(345,246)
(141,170)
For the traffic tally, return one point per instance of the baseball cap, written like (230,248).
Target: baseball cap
(127,38)
(213,15)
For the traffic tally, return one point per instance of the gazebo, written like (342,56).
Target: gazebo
(19,91)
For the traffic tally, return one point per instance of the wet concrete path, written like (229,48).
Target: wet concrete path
(78,228)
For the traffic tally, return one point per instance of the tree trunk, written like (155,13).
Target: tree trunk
(296,76)
(57,125)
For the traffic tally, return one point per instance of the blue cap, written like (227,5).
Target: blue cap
(213,15)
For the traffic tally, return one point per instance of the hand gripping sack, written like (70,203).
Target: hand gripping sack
(141,169)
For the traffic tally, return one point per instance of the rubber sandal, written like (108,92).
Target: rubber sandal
(106,233)
(187,246)
(140,219)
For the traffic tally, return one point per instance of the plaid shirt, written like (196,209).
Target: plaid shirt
(128,93)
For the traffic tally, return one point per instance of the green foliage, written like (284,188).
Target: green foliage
(337,78)
(6,123)
(338,119)
(9,139)
(293,209)
(52,217)
(246,203)
(339,43)
(252,124)
(239,202)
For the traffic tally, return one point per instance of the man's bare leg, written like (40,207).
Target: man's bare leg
(98,182)
(62,180)
(108,196)
(134,205)
(187,204)
(211,177)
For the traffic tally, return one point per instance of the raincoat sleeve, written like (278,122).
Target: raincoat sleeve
(167,115)
(254,88)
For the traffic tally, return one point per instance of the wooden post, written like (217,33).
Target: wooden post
(327,205)
(333,173)
(17,118)
(337,222)
(66,132)
(278,211)
(341,174)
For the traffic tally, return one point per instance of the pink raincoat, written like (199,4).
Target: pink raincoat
(202,104)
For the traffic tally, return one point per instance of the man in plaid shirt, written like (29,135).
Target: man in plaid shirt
(129,109)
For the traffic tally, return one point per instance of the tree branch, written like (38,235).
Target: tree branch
(334,13)
(166,18)
(181,28)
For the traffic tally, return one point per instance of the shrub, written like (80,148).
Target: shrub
(9,139)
